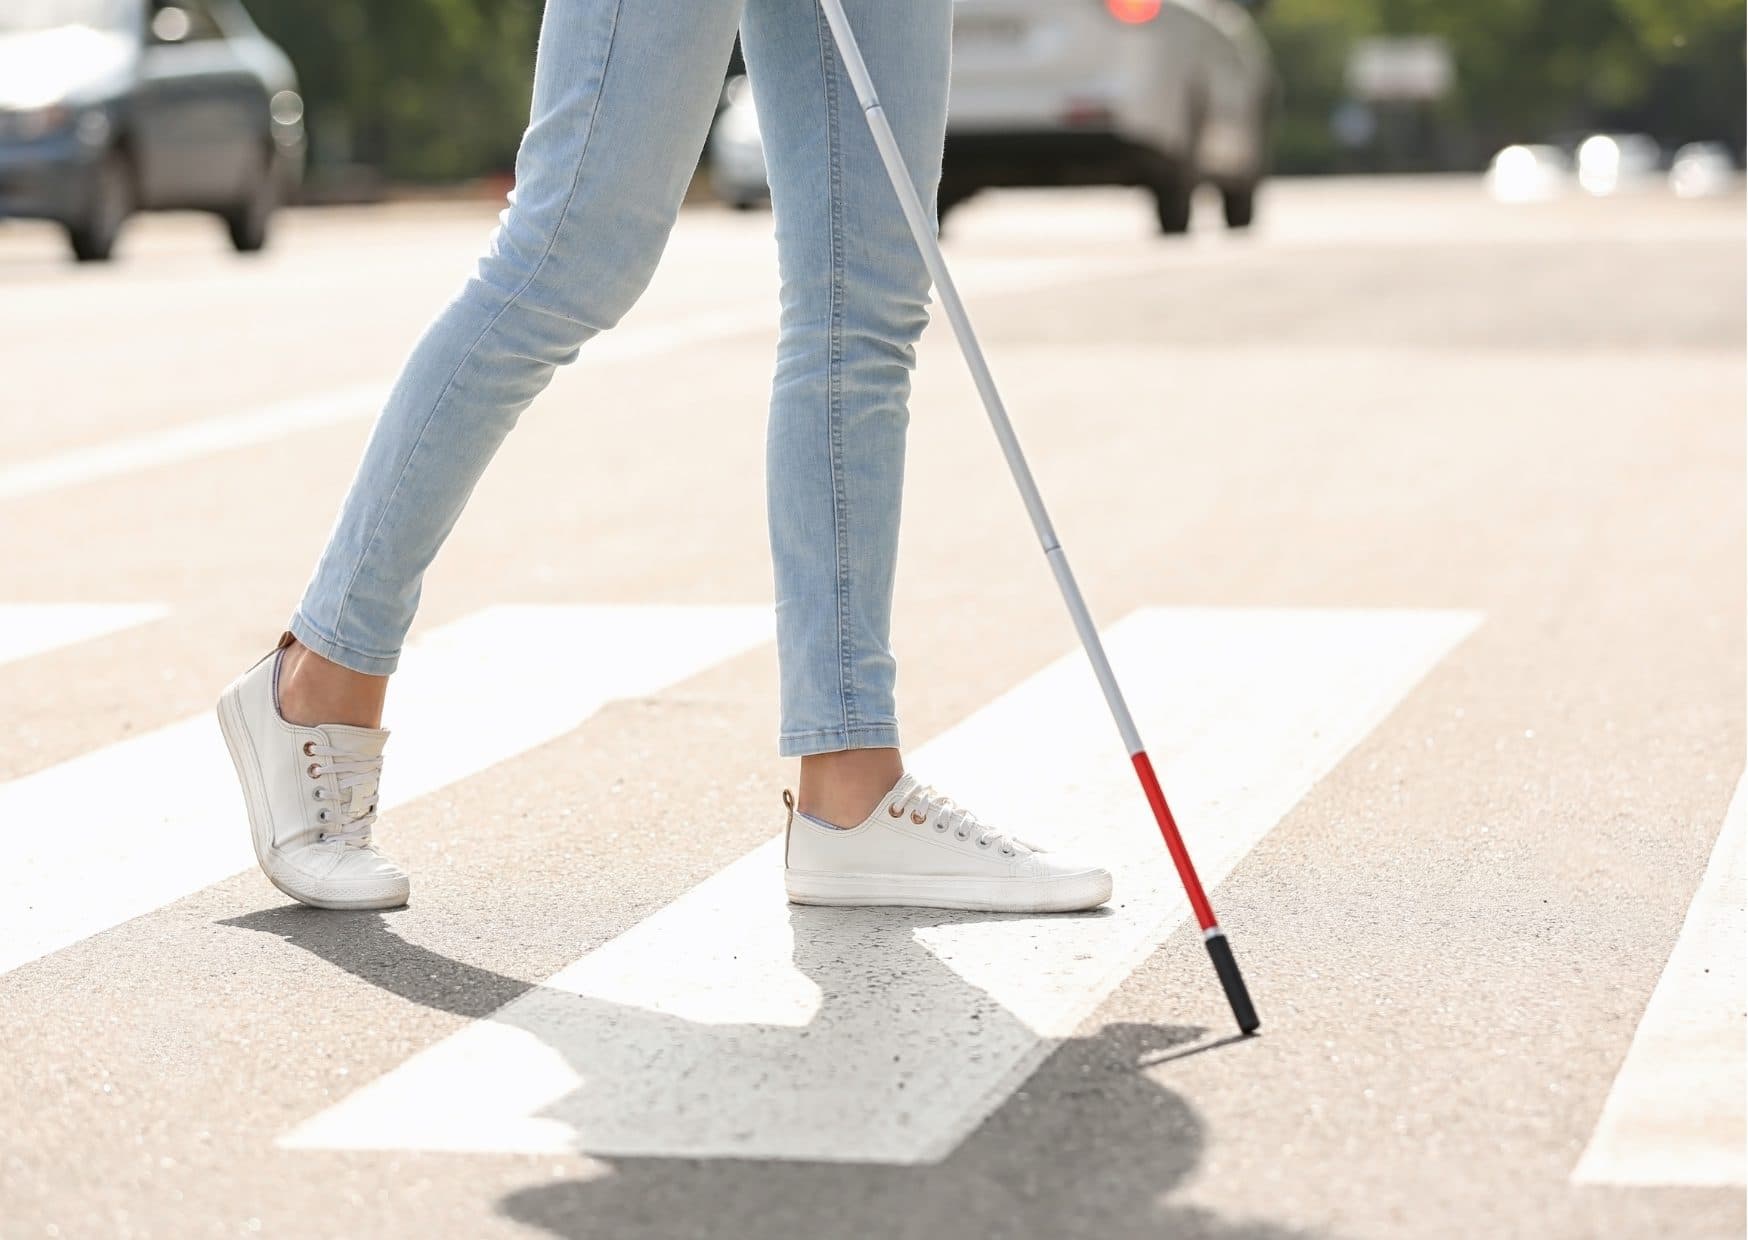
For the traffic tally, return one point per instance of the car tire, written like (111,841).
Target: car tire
(1239,206)
(1173,201)
(250,221)
(1175,176)
(93,234)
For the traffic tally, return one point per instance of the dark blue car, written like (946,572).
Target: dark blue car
(108,107)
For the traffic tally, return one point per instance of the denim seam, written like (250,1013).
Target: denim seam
(314,637)
(348,647)
(834,376)
(834,740)
(511,300)
(860,729)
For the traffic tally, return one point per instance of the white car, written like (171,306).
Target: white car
(1611,162)
(1532,173)
(735,156)
(1162,94)
(1702,170)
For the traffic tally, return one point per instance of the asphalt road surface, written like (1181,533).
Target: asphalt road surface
(1416,526)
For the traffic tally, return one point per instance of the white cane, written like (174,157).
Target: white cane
(917,216)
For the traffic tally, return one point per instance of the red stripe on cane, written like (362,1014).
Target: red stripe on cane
(1180,855)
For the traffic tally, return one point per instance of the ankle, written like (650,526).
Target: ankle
(844,787)
(314,691)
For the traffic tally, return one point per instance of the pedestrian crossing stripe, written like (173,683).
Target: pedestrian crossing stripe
(299,415)
(190,441)
(730,1024)
(28,629)
(1678,1111)
(534,672)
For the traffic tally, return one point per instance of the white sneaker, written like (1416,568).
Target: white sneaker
(311,796)
(919,848)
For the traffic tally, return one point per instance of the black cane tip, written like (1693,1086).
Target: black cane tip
(1233,983)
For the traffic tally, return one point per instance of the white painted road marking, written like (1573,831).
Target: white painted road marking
(1678,1112)
(730,1024)
(160,816)
(130,453)
(171,445)
(28,629)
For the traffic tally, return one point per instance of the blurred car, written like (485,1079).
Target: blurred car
(1611,162)
(113,106)
(1163,94)
(1702,170)
(736,156)
(1529,173)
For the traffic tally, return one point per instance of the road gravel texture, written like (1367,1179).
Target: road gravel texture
(1393,396)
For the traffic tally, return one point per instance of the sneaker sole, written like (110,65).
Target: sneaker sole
(1071,893)
(237,740)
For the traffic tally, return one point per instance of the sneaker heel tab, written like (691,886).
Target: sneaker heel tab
(788,822)
(285,640)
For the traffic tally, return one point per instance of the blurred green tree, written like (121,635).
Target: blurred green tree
(1311,40)
(422,90)
(437,90)
(1527,70)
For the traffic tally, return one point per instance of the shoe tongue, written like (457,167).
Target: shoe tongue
(900,790)
(366,741)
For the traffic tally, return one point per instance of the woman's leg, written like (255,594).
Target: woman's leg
(854,292)
(624,92)
(623,95)
(854,297)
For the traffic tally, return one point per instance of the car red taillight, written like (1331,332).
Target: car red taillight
(1133,12)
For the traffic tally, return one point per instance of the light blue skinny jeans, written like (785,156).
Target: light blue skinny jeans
(624,94)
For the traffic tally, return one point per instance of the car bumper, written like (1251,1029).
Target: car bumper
(1090,156)
(45,180)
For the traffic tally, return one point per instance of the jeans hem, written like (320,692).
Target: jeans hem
(831,740)
(335,652)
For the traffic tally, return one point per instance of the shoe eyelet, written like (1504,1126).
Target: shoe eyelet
(321,837)
(940,826)
(309,749)
(960,835)
(917,818)
(323,816)
(895,811)
(321,793)
(315,770)
(983,843)
(1007,852)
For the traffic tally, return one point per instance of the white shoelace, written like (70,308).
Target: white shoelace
(355,812)
(948,815)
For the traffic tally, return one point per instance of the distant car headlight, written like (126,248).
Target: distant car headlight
(29,124)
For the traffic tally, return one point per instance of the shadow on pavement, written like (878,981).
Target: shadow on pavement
(1087,1146)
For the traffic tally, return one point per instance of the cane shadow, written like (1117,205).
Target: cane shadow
(1087,1145)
